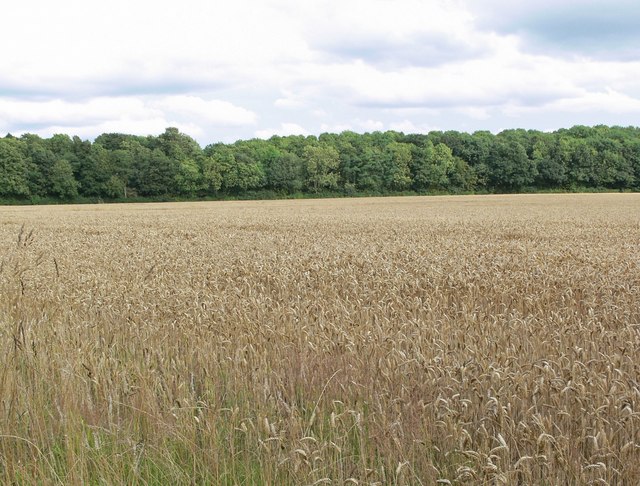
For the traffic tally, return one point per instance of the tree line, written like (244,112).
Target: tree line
(173,165)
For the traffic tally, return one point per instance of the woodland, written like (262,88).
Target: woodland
(173,166)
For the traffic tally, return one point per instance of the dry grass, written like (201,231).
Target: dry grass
(453,340)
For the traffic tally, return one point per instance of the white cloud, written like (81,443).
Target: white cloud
(407,126)
(370,125)
(335,128)
(608,101)
(228,70)
(150,126)
(140,116)
(289,100)
(57,111)
(211,111)
(474,112)
(381,31)
(284,130)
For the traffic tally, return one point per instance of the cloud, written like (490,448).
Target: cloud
(141,116)
(475,83)
(89,46)
(591,28)
(60,112)
(391,34)
(230,70)
(370,125)
(335,128)
(210,111)
(477,113)
(283,130)
(407,126)
(150,126)
(289,100)
(608,101)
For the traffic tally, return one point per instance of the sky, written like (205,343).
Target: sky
(223,71)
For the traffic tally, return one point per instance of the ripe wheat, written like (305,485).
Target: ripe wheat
(453,340)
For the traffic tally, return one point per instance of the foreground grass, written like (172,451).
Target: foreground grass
(469,340)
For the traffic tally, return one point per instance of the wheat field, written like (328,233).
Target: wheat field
(442,340)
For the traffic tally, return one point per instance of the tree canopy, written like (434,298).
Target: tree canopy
(173,165)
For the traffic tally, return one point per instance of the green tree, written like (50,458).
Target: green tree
(443,164)
(63,183)
(188,179)
(155,172)
(120,165)
(432,167)
(551,164)
(397,173)
(178,146)
(115,187)
(123,161)
(282,169)
(13,168)
(237,169)
(95,171)
(321,163)
(615,171)
(581,161)
(185,159)
(40,163)
(371,164)
(348,145)
(462,177)
(421,166)
(631,152)
(284,172)
(510,167)
(61,145)
(212,170)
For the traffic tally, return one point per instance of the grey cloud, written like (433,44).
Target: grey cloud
(439,101)
(177,80)
(142,88)
(78,90)
(420,50)
(594,28)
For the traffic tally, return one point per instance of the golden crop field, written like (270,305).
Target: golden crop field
(442,340)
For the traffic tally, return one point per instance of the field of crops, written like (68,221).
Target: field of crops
(443,340)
